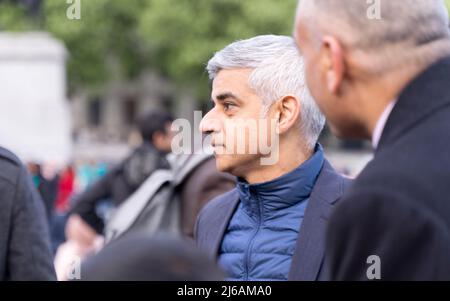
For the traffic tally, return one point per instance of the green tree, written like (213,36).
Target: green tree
(13,18)
(102,44)
(182,35)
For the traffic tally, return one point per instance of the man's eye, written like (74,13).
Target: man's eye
(228,106)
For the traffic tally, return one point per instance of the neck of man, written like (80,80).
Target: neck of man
(291,155)
(379,93)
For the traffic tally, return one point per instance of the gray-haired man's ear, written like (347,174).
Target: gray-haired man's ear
(334,63)
(288,113)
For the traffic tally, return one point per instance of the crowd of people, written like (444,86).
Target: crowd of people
(59,187)
(232,215)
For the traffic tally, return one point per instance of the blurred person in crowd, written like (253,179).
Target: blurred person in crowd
(272,225)
(150,259)
(49,191)
(24,238)
(35,172)
(46,184)
(85,175)
(120,182)
(84,226)
(386,78)
(170,200)
(81,241)
(65,190)
(89,172)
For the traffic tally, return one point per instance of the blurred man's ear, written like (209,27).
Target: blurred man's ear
(333,63)
(159,140)
(288,111)
(162,140)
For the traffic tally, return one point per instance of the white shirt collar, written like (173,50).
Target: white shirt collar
(381,123)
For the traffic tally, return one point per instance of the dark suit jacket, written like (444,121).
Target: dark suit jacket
(24,239)
(310,248)
(399,207)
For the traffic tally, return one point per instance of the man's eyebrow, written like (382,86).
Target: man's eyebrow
(226,95)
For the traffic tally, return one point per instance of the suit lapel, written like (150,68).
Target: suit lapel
(310,246)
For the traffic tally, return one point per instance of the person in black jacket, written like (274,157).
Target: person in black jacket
(118,184)
(84,227)
(24,238)
(383,73)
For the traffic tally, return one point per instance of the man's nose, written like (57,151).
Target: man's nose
(209,123)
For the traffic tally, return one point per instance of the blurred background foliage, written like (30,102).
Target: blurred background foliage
(121,39)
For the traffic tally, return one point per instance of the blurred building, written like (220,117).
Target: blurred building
(35,121)
(109,116)
(103,124)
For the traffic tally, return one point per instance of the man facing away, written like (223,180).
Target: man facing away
(386,79)
(272,225)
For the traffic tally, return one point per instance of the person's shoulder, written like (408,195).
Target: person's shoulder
(386,224)
(365,209)
(386,173)
(7,157)
(217,204)
(382,185)
(10,165)
(330,184)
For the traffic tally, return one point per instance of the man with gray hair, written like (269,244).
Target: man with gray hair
(381,71)
(272,225)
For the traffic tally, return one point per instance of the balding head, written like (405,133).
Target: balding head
(360,54)
(383,33)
